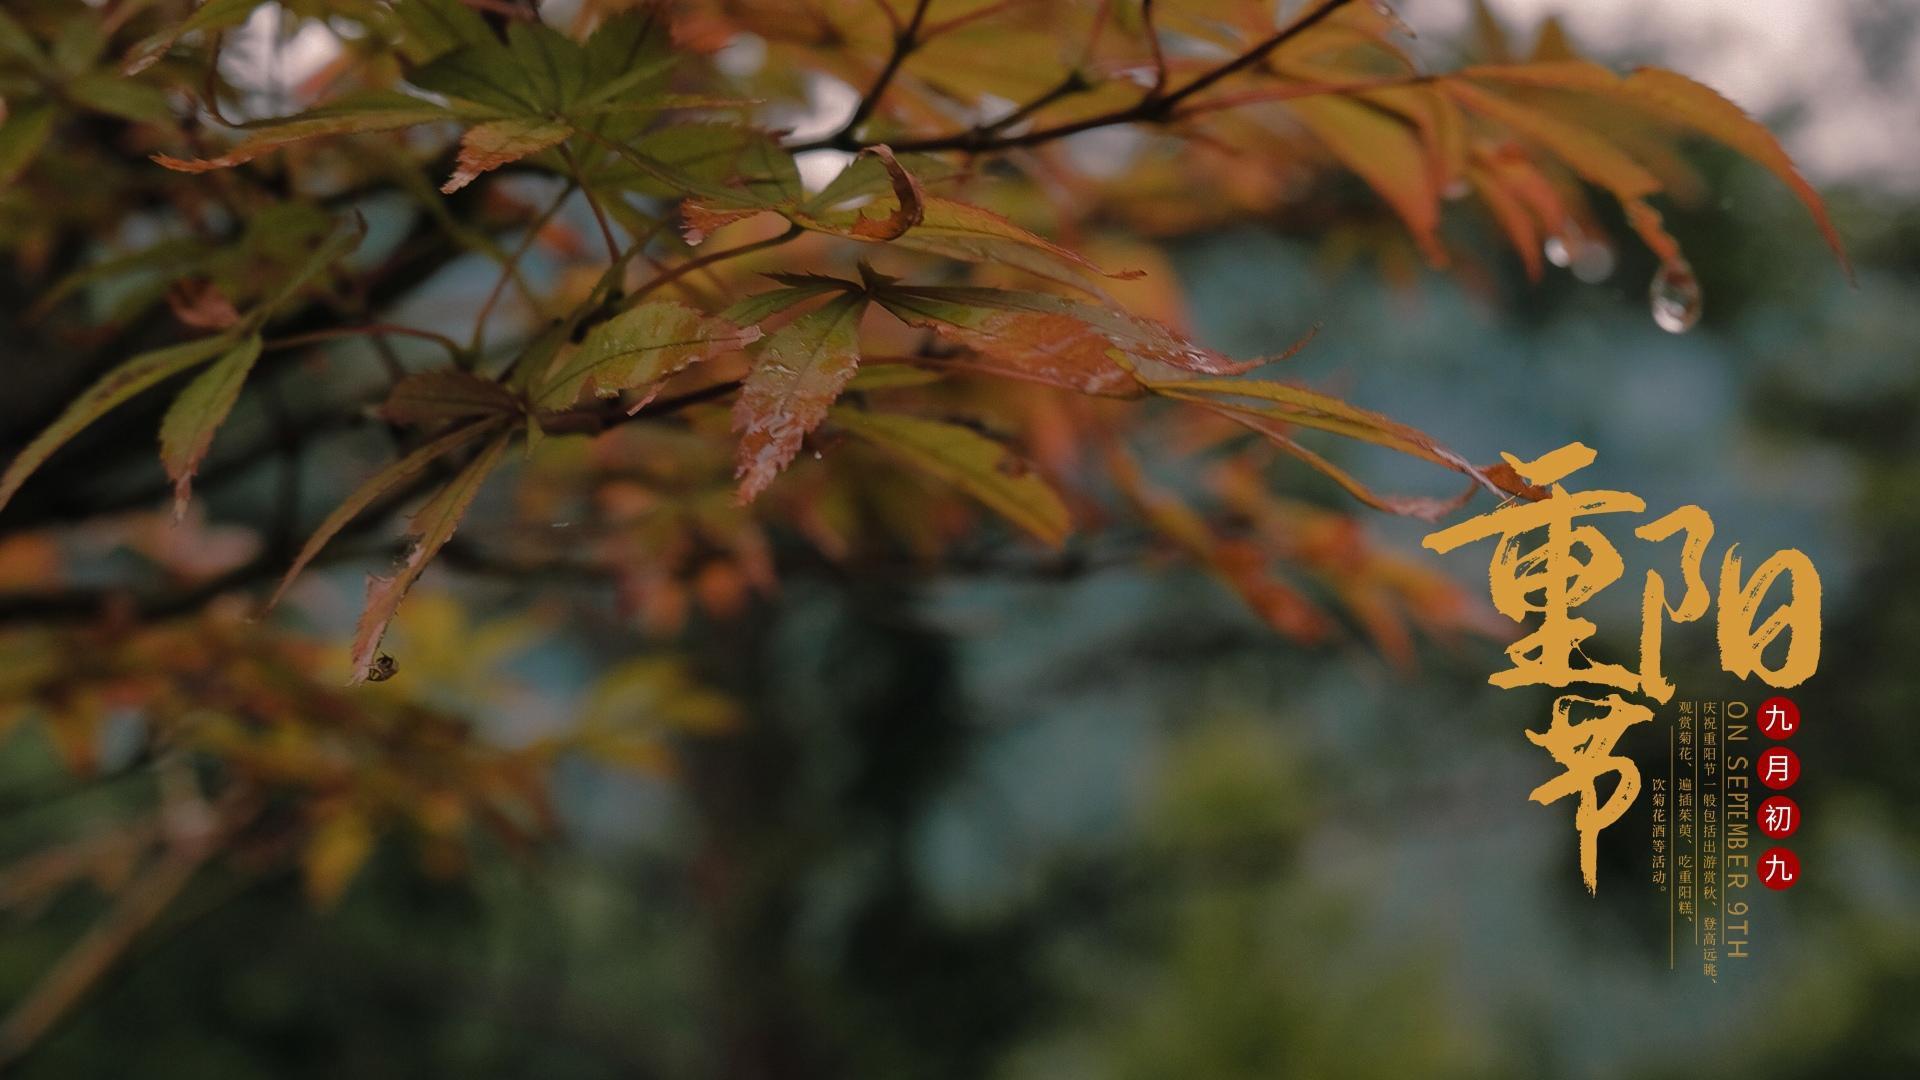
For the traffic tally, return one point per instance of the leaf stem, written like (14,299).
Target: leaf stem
(312,337)
(666,277)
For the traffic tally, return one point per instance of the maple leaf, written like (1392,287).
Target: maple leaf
(114,388)
(431,527)
(976,464)
(445,396)
(639,347)
(186,432)
(1051,339)
(797,373)
(389,480)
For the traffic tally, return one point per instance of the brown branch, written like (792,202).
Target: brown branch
(904,43)
(666,277)
(511,267)
(593,204)
(1153,42)
(313,337)
(1157,106)
(593,419)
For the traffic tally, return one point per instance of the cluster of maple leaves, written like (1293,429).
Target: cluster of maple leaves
(959,308)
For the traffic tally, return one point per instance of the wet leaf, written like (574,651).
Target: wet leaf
(211,15)
(501,142)
(797,373)
(439,397)
(1674,98)
(639,347)
(970,461)
(112,390)
(1050,339)
(361,114)
(187,430)
(389,480)
(431,527)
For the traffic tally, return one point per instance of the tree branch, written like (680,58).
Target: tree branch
(904,43)
(1157,106)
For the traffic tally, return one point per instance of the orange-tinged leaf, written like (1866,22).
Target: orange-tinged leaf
(1292,404)
(799,370)
(909,201)
(486,147)
(1388,154)
(375,487)
(970,461)
(187,430)
(1512,216)
(211,15)
(962,231)
(1240,565)
(199,303)
(438,397)
(1415,506)
(1672,97)
(1050,339)
(112,390)
(639,347)
(432,526)
(1593,157)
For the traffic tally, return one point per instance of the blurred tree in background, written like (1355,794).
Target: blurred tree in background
(813,429)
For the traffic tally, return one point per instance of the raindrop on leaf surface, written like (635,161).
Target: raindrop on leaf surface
(1557,251)
(1675,297)
(384,667)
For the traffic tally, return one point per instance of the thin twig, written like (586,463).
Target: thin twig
(711,257)
(904,42)
(511,266)
(313,337)
(599,215)
(1153,42)
(1155,106)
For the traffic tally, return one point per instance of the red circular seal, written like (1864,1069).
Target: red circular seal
(1779,717)
(1779,767)
(1779,868)
(1779,817)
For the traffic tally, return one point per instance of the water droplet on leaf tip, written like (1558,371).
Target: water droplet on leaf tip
(384,667)
(1675,298)
(1557,251)
(1593,262)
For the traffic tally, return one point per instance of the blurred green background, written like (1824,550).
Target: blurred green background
(1110,826)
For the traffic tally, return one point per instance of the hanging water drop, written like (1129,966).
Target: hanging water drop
(1392,18)
(1593,262)
(1675,297)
